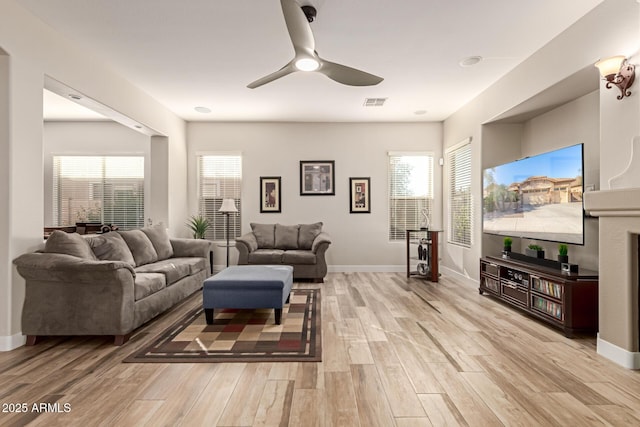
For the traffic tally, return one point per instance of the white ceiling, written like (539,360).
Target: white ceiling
(204,52)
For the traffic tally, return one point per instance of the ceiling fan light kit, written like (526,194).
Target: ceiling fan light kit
(307,64)
(297,19)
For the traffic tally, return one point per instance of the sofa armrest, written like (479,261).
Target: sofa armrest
(67,295)
(321,242)
(54,267)
(192,248)
(246,244)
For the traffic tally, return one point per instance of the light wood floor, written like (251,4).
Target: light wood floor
(396,352)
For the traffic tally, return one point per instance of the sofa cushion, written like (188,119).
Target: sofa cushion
(60,242)
(160,239)
(172,269)
(287,236)
(140,246)
(148,284)
(266,256)
(307,234)
(299,257)
(111,247)
(196,265)
(265,235)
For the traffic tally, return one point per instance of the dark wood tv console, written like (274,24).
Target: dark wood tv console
(568,301)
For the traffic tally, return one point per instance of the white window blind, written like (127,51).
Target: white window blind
(104,189)
(459,194)
(410,191)
(219,177)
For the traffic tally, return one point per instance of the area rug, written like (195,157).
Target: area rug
(242,335)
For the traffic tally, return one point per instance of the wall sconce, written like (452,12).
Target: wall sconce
(617,71)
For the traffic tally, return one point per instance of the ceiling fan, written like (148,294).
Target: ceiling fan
(306,58)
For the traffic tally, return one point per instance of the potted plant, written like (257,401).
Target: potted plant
(563,253)
(507,241)
(535,251)
(199,225)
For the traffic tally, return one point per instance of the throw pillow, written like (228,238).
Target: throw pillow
(265,235)
(160,240)
(307,234)
(111,247)
(60,242)
(287,236)
(140,246)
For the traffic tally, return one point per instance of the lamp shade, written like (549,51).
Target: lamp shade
(228,205)
(609,66)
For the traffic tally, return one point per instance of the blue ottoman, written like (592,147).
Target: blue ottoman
(248,286)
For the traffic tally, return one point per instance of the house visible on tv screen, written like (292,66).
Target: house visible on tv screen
(546,207)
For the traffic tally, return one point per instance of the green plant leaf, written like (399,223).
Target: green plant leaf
(198,225)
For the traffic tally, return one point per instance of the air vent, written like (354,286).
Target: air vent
(374,102)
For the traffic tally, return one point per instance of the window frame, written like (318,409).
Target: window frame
(209,208)
(453,158)
(397,227)
(102,184)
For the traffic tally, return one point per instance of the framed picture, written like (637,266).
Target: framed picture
(359,195)
(270,194)
(317,178)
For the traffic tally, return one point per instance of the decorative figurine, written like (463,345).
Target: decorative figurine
(424,224)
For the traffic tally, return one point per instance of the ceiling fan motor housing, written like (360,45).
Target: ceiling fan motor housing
(309,12)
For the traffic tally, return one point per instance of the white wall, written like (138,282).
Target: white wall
(34,51)
(580,46)
(90,138)
(620,121)
(5,187)
(573,123)
(360,241)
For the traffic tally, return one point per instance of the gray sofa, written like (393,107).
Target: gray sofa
(301,246)
(108,284)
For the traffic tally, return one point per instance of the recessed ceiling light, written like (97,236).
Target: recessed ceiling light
(470,61)
(203,110)
(420,112)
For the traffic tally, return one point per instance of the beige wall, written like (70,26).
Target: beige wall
(573,123)
(5,184)
(576,49)
(91,138)
(360,241)
(35,51)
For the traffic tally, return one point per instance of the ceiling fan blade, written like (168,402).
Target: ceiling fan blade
(298,26)
(347,75)
(287,69)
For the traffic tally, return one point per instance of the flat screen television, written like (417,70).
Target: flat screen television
(538,197)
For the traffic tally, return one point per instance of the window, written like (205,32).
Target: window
(104,189)
(459,193)
(410,192)
(219,177)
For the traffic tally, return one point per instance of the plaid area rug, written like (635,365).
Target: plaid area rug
(242,335)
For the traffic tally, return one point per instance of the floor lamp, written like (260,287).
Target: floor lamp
(228,207)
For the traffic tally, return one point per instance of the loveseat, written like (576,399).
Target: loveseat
(301,246)
(108,284)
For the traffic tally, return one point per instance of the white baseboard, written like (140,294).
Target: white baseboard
(351,268)
(367,268)
(8,343)
(459,276)
(624,358)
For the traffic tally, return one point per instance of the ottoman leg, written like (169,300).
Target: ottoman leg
(208,314)
(278,312)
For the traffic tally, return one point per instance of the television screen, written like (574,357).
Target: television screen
(538,197)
